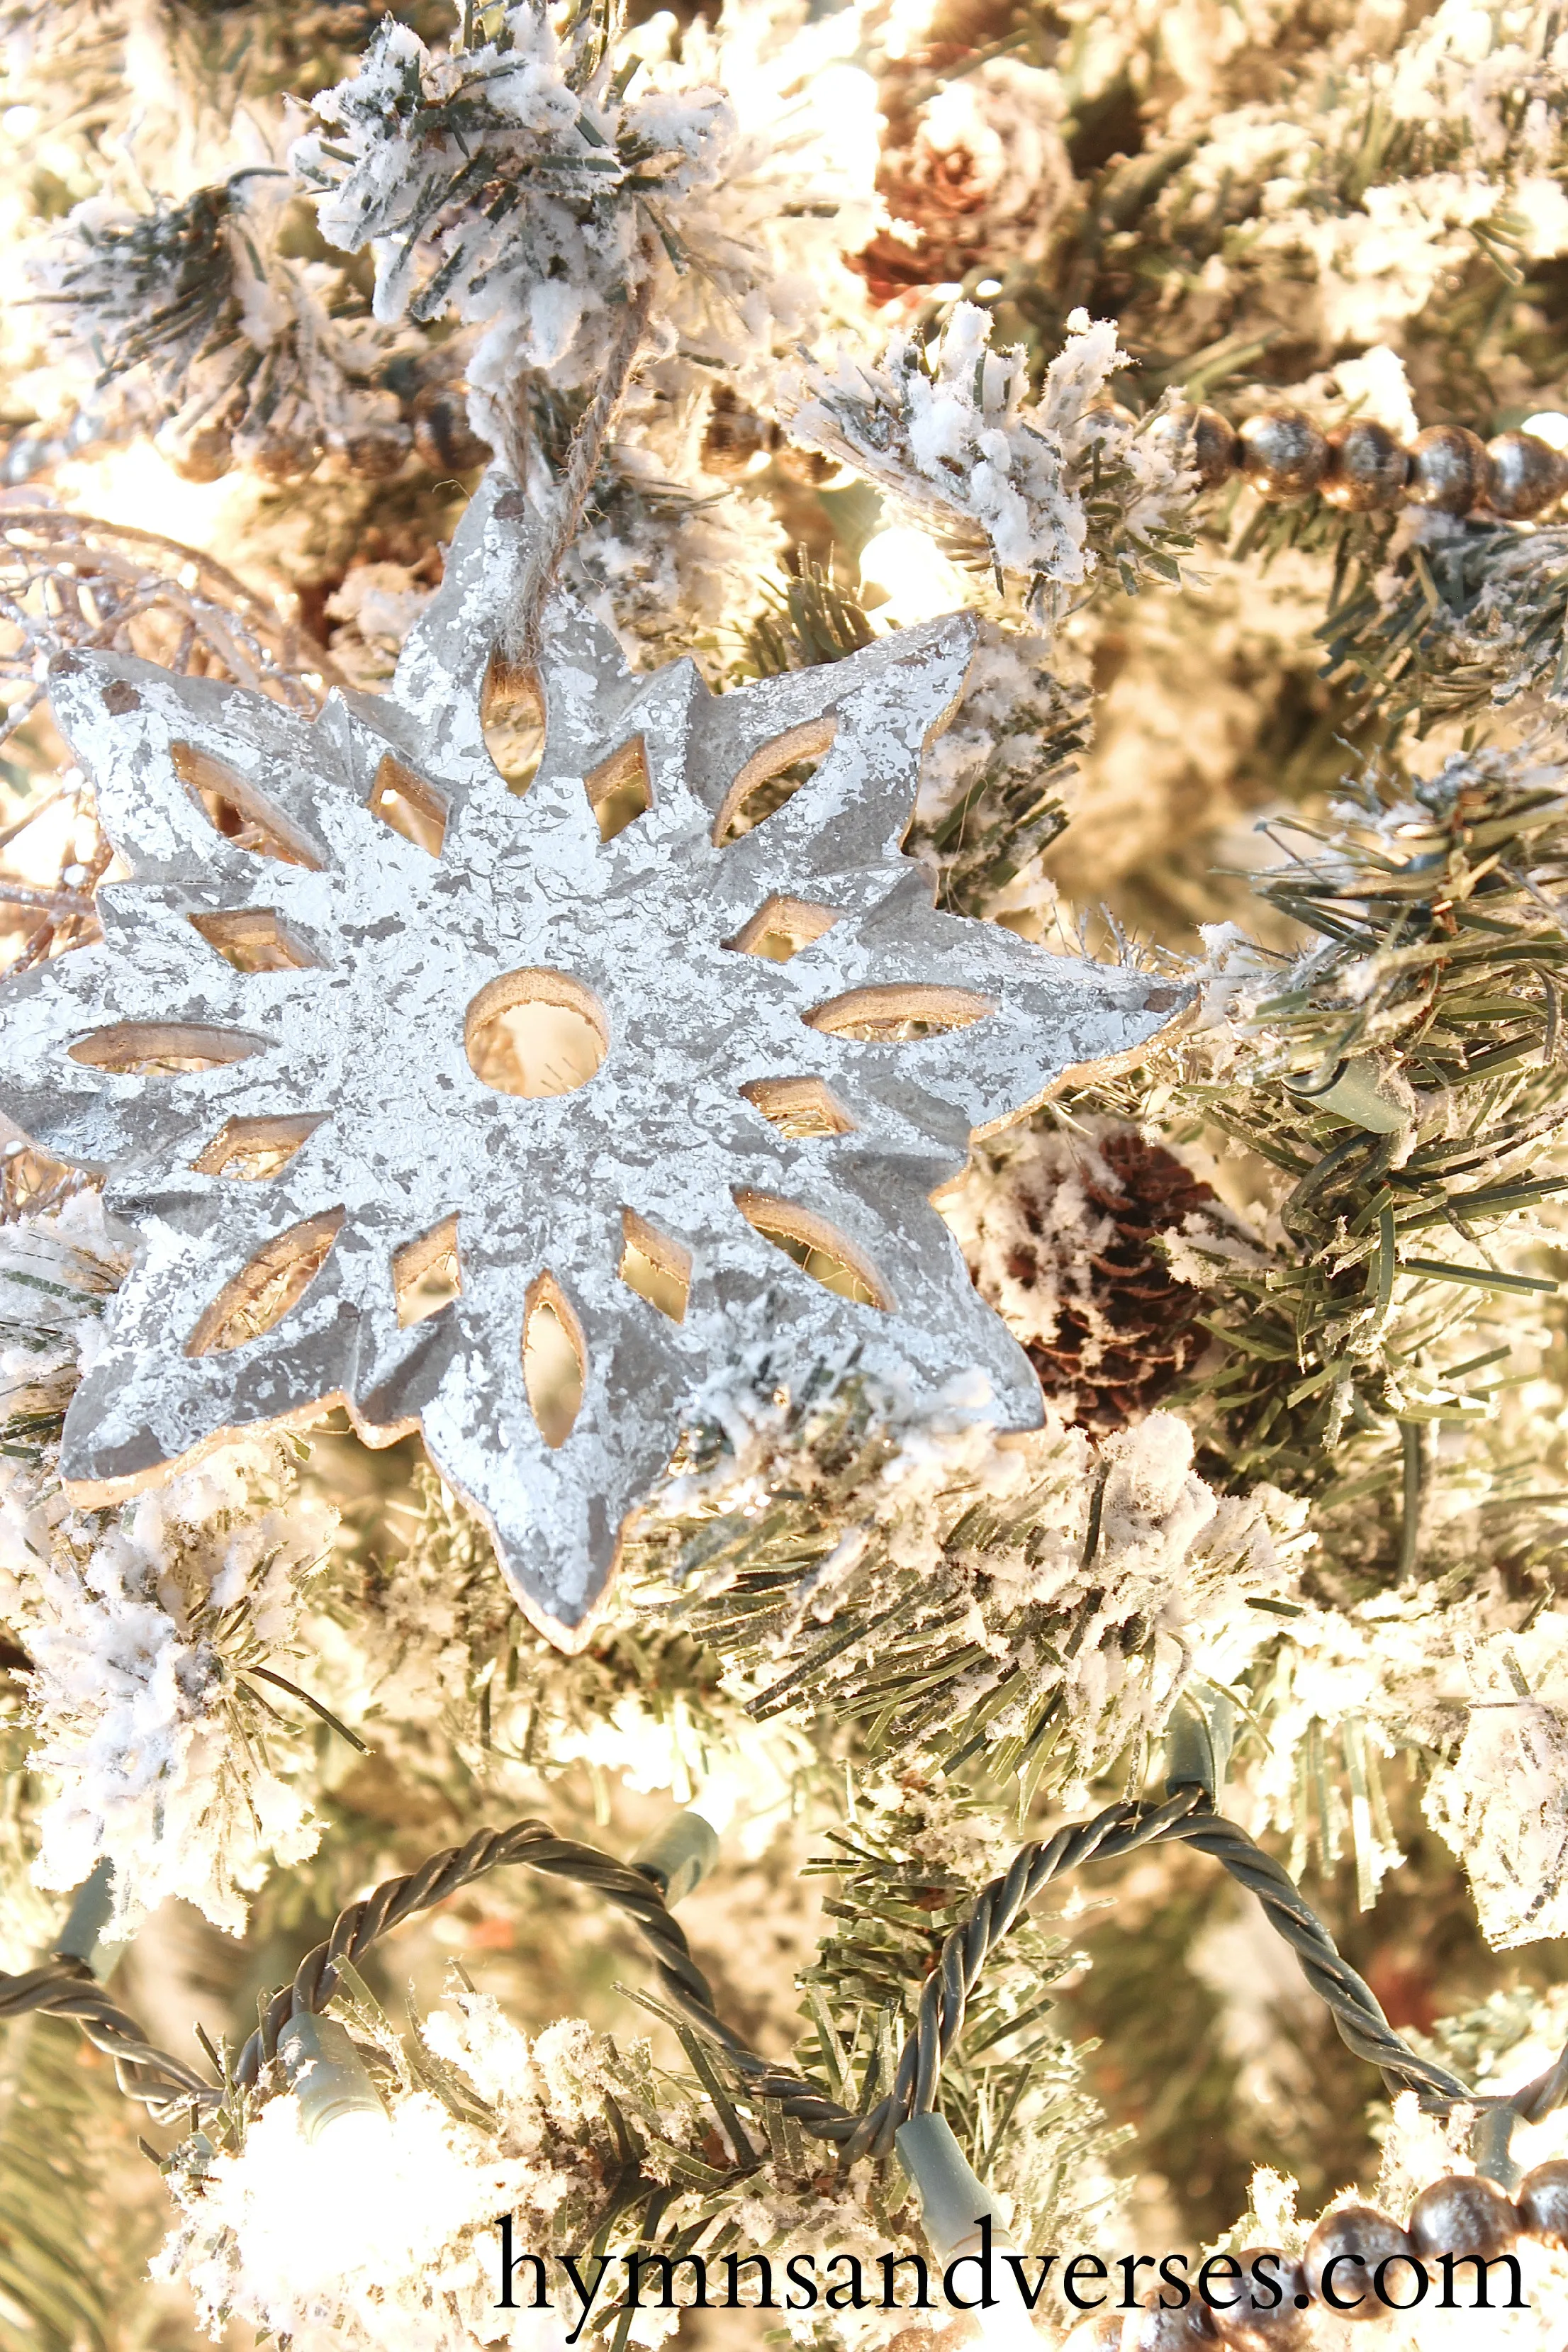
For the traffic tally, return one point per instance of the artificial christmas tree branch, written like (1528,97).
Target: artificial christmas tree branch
(1289,1286)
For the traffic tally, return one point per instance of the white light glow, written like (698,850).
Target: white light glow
(919,581)
(136,486)
(987,286)
(844,115)
(719,1797)
(319,2209)
(653,39)
(367,2205)
(1008,2325)
(1008,2329)
(907,24)
(1549,425)
(358,2151)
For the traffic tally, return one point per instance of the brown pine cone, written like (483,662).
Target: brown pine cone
(1065,1244)
(978,170)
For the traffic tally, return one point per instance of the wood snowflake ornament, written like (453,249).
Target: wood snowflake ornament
(409,1038)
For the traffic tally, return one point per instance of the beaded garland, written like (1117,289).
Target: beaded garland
(1461,2215)
(1360,466)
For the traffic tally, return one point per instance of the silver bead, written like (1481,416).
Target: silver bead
(1366,467)
(204,455)
(1205,439)
(1543,2201)
(1462,2214)
(282,455)
(374,455)
(1283,453)
(1527,475)
(1253,2325)
(1450,470)
(1106,411)
(735,435)
(443,439)
(1358,2238)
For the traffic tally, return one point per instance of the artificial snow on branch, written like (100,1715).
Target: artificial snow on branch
(528,185)
(248,352)
(155,1638)
(1049,491)
(964,1595)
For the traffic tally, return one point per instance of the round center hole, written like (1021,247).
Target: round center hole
(536,1033)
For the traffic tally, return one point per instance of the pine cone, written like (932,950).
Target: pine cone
(1065,1247)
(979,171)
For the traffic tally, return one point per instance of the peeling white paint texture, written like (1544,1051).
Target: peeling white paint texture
(370,1039)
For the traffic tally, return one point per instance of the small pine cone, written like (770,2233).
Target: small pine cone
(1066,1246)
(979,173)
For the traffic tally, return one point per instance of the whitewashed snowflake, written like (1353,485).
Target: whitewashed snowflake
(517,1118)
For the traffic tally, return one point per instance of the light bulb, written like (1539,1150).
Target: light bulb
(334,2190)
(919,580)
(1008,2325)
(963,2221)
(337,2099)
(1549,425)
(356,2137)
(844,107)
(679,1855)
(719,1797)
(1003,2325)
(353,2173)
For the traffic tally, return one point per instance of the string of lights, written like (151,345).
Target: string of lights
(644,1891)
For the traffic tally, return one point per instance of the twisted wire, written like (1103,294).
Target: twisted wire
(532,1843)
(1186,1816)
(63,1988)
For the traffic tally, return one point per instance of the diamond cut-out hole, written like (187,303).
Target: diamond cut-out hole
(252,938)
(261,1293)
(655,1267)
(773,775)
(536,1033)
(781,926)
(554,1359)
(426,1274)
(512,716)
(799,1106)
(256,1148)
(146,1049)
(619,789)
(409,805)
(234,808)
(898,1015)
(816,1246)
